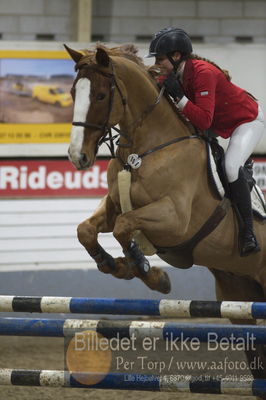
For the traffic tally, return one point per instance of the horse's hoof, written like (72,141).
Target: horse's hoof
(164,283)
(158,280)
(105,269)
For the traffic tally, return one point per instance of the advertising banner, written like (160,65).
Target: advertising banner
(59,178)
(36,105)
(51,178)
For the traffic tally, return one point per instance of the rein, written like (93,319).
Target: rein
(134,160)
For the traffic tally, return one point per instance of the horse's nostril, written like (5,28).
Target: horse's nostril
(83,160)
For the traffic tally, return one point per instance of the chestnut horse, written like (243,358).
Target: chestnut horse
(170,193)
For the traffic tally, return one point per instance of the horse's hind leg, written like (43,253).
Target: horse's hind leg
(230,287)
(103,220)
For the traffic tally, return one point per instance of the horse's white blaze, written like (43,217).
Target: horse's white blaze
(81,108)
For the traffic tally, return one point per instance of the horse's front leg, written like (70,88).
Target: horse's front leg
(158,220)
(103,220)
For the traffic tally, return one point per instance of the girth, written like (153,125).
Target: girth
(181,256)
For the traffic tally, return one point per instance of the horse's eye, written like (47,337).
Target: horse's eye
(100,96)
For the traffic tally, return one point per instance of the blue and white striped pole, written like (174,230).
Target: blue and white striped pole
(158,383)
(129,329)
(164,308)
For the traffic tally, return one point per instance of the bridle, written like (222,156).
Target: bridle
(105,128)
(108,137)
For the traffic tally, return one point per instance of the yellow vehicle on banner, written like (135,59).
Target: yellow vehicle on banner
(52,95)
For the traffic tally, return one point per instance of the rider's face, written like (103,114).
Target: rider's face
(164,62)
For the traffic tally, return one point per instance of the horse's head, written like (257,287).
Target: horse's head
(98,104)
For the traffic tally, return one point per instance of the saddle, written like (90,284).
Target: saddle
(219,183)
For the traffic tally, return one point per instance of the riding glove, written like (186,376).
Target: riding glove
(173,87)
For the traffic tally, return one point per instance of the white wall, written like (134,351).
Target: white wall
(42,233)
(36,232)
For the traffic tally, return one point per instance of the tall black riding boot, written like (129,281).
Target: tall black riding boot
(240,194)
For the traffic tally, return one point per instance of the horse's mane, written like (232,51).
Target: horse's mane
(128,51)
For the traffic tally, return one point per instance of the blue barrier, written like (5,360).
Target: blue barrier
(163,308)
(139,329)
(162,383)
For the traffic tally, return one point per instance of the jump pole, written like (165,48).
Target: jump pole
(129,329)
(163,308)
(163,383)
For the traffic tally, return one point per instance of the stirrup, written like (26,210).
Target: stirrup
(248,245)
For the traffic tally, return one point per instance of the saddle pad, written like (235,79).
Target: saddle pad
(257,197)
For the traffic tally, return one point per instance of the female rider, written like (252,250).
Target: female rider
(205,95)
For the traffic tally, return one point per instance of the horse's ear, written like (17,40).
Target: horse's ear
(75,55)
(102,57)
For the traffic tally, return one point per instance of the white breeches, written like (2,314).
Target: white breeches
(241,145)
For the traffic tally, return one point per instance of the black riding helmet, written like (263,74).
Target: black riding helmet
(168,40)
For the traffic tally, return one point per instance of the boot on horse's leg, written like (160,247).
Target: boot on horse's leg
(118,267)
(240,194)
(153,277)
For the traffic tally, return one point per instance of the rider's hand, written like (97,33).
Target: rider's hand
(173,87)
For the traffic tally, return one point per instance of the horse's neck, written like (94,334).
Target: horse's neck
(149,129)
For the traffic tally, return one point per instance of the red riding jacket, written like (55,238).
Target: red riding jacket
(213,101)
